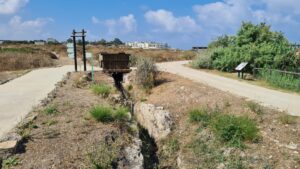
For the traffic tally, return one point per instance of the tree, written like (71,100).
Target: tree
(117,42)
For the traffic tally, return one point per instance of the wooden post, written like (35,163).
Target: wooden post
(83,49)
(75,52)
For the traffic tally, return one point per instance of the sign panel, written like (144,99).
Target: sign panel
(71,55)
(70,50)
(88,55)
(70,45)
(241,66)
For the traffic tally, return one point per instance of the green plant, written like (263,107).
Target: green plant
(50,110)
(102,113)
(256,108)
(200,115)
(234,130)
(10,162)
(146,72)
(101,89)
(129,87)
(287,119)
(103,155)
(173,145)
(121,114)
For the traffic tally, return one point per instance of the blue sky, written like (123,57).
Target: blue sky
(181,23)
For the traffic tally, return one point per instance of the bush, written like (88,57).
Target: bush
(255,44)
(202,61)
(101,89)
(50,110)
(146,72)
(121,114)
(10,162)
(102,113)
(199,115)
(234,130)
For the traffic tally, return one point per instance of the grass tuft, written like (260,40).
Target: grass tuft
(10,162)
(101,89)
(102,113)
(121,114)
(199,115)
(50,110)
(256,108)
(234,130)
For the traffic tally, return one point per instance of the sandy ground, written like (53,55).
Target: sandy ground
(274,99)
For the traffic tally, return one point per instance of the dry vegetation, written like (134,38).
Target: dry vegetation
(157,55)
(197,141)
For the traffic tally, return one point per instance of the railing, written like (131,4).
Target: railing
(255,70)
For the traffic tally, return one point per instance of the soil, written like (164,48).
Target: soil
(277,147)
(63,140)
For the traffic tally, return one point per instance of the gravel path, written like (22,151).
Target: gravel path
(287,102)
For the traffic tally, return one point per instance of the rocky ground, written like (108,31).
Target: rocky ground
(189,145)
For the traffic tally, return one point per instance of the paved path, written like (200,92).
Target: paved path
(275,99)
(19,96)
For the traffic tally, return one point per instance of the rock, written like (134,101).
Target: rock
(8,145)
(292,146)
(156,120)
(133,155)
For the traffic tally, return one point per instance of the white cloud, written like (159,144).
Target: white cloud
(16,28)
(11,6)
(169,23)
(123,25)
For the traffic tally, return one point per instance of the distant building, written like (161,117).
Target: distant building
(52,40)
(147,45)
(199,48)
(39,43)
(1,42)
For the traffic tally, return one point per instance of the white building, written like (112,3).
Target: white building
(147,45)
(1,42)
(51,40)
(39,43)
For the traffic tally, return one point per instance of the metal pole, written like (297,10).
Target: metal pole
(83,49)
(75,53)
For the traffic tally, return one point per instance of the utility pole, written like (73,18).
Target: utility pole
(83,49)
(75,52)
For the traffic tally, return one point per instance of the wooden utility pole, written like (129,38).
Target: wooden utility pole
(81,34)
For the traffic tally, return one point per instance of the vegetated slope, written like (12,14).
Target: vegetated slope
(198,140)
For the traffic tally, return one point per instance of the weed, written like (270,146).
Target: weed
(287,119)
(103,155)
(146,73)
(173,145)
(129,87)
(143,99)
(121,114)
(203,61)
(50,110)
(10,162)
(102,113)
(101,89)
(256,108)
(50,122)
(199,115)
(234,130)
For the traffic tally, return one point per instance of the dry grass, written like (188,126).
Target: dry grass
(20,58)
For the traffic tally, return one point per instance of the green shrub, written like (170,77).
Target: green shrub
(200,115)
(102,113)
(101,89)
(234,130)
(257,45)
(146,72)
(121,114)
(10,162)
(50,110)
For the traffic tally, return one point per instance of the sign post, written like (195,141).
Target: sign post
(240,69)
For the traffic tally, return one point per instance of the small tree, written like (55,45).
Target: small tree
(146,72)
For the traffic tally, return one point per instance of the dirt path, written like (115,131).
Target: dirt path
(18,96)
(270,98)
